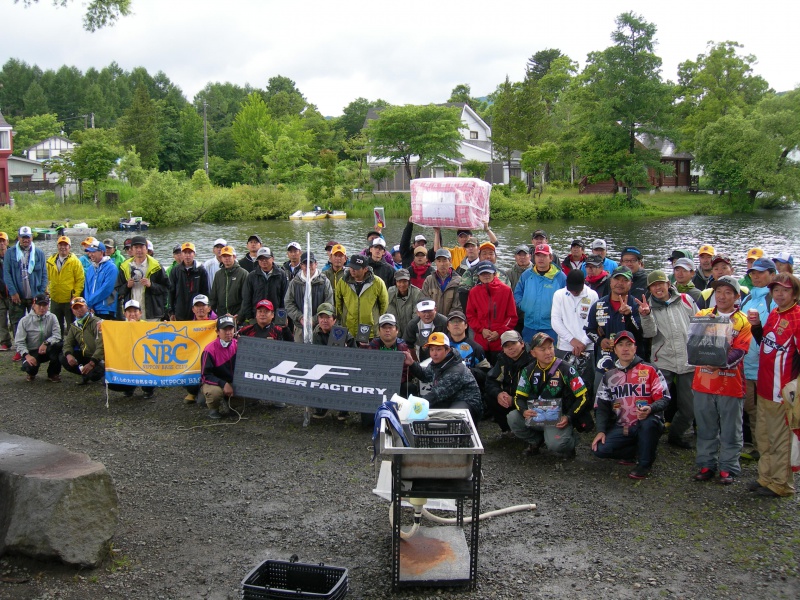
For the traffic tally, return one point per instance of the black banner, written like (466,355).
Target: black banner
(320,376)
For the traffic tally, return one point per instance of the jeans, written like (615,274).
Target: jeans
(642,440)
(559,441)
(719,431)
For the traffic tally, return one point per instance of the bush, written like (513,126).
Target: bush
(166,199)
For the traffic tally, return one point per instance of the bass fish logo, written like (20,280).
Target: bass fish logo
(165,351)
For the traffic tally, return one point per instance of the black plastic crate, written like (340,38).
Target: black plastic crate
(441,433)
(279,579)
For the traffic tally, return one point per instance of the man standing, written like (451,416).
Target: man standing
(403,298)
(338,258)
(703,276)
(576,257)
(217,365)
(101,279)
(25,274)
(471,257)
(112,252)
(535,290)
(268,282)
(522,262)
(540,237)
(683,275)
(442,285)
(264,328)
(491,310)
(599,248)
(227,290)
(83,352)
(632,258)
(407,250)
(5,301)
(321,293)
(187,280)
(141,278)
(380,268)
(213,264)
(457,253)
(420,268)
(420,328)
(248,262)
(66,280)
(38,340)
(360,299)
(597,278)
(292,266)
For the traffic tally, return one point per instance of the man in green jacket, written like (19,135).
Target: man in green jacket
(141,278)
(226,291)
(360,299)
(83,352)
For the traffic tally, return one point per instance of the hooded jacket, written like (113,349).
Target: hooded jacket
(100,293)
(382,269)
(403,308)
(226,291)
(759,299)
(184,285)
(534,295)
(67,283)
(321,292)
(155,297)
(450,381)
(668,325)
(259,285)
(366,307)
(87,338)
(446,300)
(491,306)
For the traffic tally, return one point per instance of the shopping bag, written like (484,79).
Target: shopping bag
(709,341)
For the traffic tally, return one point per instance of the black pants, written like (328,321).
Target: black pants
(95,374)
(50,357)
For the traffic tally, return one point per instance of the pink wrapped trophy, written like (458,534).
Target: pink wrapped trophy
(450,202)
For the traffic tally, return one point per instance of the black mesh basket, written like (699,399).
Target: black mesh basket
(278,579)
(441,433)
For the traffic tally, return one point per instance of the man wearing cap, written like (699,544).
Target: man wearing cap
(457,253)
(201,311)
(597,278)
(665,321)
(569,317)
(336,266)
(784,262)
(328,248)
(227,291)
(420,268)
(759,299)
(549,387)
(263,327)
(83,258)
(486,252)
(141,278)
(268,282)
(321,293)
(217,365)
(753,254)
(540,237)
(249,260)
(721,266)
(491,310)
(522,262)
(442,285)
(380,268)
(132,313)
(83,352)
(575,259)
(461,341)
(213,264)
(112,252)
(600,249)
(371,237)
(719,392)
(66,279)
(101,280)
(452,383)
(25,274)
(631,257)
(177,257)
(38,340)
(420,328)
(389,340)
(535,290)
(407,249)
(629,404)
(292,266)
(502,379)
(5,301)
(705,254)
(326,333)
(187,280)
(360,299)
(403,299)
(128,248)
(683,279)
(470,259)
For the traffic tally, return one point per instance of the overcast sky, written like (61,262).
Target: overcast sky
(407,52)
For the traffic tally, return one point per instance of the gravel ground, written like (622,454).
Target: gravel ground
(200,506)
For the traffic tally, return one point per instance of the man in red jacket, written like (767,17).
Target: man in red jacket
(491,310)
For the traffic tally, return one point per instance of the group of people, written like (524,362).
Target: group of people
(545,349)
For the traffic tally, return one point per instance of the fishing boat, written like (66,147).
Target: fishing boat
(78,230)
(317,214)
(44,233)
(133,223)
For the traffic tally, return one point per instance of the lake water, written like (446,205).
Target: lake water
(775,231)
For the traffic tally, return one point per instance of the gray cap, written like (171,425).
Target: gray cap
(598,243)
(443,252)
(510,336)
(387,318)
(522,248)
(264,251)
(686,263)
(402,274)
(728,280)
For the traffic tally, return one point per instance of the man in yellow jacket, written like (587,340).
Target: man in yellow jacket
(65,278)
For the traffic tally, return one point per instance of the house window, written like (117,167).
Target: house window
(5,140)
(683,167)
(42,153)
(473,135)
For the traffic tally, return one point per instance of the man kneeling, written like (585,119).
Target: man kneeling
(550,402)
(84,354)
(216,370)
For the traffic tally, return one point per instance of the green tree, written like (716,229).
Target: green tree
(130,168)
(624,96)
(139,126)
(540,63)
(381,174)
(92,159)
(355,113)
(190,127)
(99,13)
(16,78)
(283,98)
(475,168)
(536,160)
(35,100)
(32,130)
(248,128)
(165,199)
(717,83)
(462,93)
(431,133)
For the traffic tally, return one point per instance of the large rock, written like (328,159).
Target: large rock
(54,503)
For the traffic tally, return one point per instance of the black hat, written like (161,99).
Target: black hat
(575,280)
(177,249)
(594,260)
(539,233)
(358,261)
(577,243)
(305,256)
(41,299)
(254,237)
(138,240)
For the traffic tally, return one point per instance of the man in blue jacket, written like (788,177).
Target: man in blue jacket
(535,290)
(25,275)
(101,279)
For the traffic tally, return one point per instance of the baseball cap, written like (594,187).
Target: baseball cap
(264,252)
(264,304)
(331,244)
(25,231)
(522,248)
(373,232)
(624,335)
(443,253)
(754,253)
(225,321)
(510,336)
(680,253)
(62,240)
(706,249)
(77,300)
(41,299)
(471,241)
(594,260)
(228,250)
(543,249)
(456,314)
(684,263)
(4,236)
(485,266)
(295,245)
(176,249)
(622,271)
(718,258)
(96,247)
(89,241)
(200,299)
(387,318)
(782,280)
(379,241)
(307,257)
(575,280)
(402,274)
(763,264)
(338,249)
(437,338)
(326,308)
(127,243)
(138,240)
(132,304)
(110,243)
(784,257)
(729,281)
(254,237)
(631,250)
(656,276)
(395,248)
(357,261)
(424,305)
(420,238)
(220,242)
(420,250)
(539,233)
(598,243)
(576,243)
(187,246)
(539,339)
(466,232)
(487,245)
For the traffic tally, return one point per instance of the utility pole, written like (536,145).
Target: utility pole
(92,120)
(205,135)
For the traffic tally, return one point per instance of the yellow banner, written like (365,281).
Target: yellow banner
(155,354)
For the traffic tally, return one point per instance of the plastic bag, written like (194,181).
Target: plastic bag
(709,341)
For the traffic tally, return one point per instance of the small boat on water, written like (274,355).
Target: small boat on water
(133,223)
(77,231)
(317,214)
(44,233)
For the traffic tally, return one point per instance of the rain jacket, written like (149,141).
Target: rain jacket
(534,295)
(155,297)
(100,293)
(403,308)
(450,381)
(86,338)
(354,308)
(446,300)
(759,299)
(65,284)
(226,292)
(321,292)
(259,286)
(491,306)
(184,285)
(668,326)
